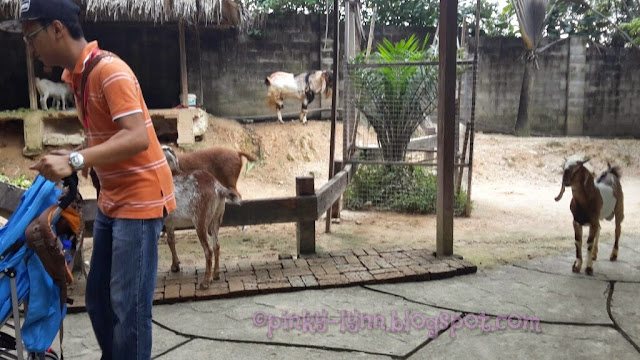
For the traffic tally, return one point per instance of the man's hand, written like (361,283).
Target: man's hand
(54,166)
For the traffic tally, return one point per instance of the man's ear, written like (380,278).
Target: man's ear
(58,28)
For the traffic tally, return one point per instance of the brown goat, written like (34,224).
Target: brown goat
(200,202)
(592,200)
(223,163)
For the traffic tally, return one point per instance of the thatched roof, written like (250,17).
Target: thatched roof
(217,13)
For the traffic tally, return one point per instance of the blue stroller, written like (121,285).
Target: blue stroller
(26,276)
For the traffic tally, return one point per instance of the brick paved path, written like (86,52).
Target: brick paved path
(343,268)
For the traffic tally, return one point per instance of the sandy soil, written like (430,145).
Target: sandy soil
(514,216)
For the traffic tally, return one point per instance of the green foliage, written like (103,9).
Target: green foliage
(394,99)
(410,189)
(593,19)
(422,13)
(20,181)
(419,13)
(493,21)
(498,23)
(287,6)
(633,28)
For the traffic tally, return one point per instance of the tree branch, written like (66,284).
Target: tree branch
(549,45)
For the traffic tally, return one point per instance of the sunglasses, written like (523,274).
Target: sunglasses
(28,39)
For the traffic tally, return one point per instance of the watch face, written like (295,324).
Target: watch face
(76,160)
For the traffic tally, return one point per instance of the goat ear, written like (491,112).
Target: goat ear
(586,159)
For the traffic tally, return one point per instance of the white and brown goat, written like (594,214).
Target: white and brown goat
(304,87)
(200,202)
(593,200)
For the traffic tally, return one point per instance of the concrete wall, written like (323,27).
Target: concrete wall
(577,90)
(233,66)
(612,91)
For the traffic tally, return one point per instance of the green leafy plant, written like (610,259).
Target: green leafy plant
(633,28)
(410,189)
(20,181)
(394,99)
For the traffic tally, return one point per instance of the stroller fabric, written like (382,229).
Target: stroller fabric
(45,312)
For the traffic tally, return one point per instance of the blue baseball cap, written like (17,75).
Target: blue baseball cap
(63,10)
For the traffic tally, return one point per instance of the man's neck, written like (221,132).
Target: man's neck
(75,48)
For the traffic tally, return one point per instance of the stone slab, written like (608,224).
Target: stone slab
(510,289)
(626,268)
(625,309)
(552,342)
(234,319)
(205,349)
(80,343)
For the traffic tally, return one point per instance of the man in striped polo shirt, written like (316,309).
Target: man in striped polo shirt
(136,187)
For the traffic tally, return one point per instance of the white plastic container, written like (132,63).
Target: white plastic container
(191,100)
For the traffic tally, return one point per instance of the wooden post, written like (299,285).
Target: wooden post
(183,64)
(305,230)
(335,208)
(33,96)
(334,102)
(446,126)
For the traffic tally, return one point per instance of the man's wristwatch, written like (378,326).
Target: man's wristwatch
(76,160)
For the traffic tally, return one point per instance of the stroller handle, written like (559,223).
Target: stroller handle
(71,182)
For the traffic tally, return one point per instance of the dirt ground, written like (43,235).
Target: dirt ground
(514,216)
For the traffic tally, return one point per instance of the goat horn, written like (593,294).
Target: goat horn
(561,193)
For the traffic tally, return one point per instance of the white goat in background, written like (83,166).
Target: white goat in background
(59,92)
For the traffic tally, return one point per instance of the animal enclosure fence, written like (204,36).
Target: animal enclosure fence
(390,132)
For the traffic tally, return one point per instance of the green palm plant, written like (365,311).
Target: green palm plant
(395,99)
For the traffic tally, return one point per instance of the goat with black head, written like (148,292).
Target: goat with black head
(304,87)
(593,200)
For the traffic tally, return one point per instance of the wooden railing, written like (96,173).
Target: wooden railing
(304,209)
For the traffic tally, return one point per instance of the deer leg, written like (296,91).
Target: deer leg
(619,211)
(577,265)
(201,230)
(43,101)
(303,112)
(614,252)
(594,232)
(279,107)
(213,232)
(171,240)
(216,266)
(596,241)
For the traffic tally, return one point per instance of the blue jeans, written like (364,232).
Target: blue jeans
(121,283)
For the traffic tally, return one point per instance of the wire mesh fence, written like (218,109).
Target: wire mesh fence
(391,132)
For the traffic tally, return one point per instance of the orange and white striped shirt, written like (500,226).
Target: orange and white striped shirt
(140,187)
